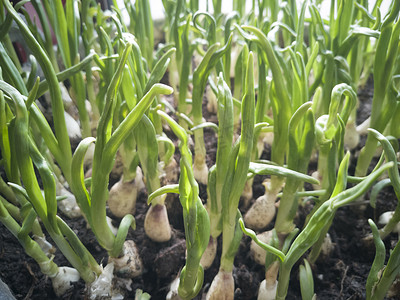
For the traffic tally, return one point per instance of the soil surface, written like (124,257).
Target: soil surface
(341,275)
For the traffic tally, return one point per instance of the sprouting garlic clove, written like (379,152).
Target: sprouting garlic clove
(156,223)
(88,159)
(351,136)
(385,218)
(200,172)
(68,206)
(263,209)
(173,290)
(267,291)
(139,180)
(268,138)
(122,198)
(247,193)
(209,254)
(113,229)
(172,171)
(261,143)
(46,247)
(73,128)
(62,281)
(258,253)
(362,129)
(222,287)
(212,105)
(101,288)
(129,264)
(317,176)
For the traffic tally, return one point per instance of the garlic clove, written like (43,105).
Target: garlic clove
(209,254)
(258,253)
(122,198)
(62,281)
(260,213)
(266,291)
(156,223)
(173,290)
(222,287)
(129,264)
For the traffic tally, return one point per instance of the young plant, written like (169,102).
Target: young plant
(301,144)
(200,77)
(329,133)
(108,141)
(394,177)
(196,220)
(237,165)
(383,100)
(218,172)
(381,277)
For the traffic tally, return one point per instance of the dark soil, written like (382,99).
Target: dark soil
(342,275)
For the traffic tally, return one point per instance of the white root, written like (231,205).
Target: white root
(209,254)
(122,197)
(222,287)
(156,223)
(258,253)
(129,264)
(263,210)
(63,279)
(68,206)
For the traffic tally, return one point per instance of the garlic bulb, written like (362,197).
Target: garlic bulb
(122,197)
(129,264)
(222,287)
(263,210)
(267,291)
(173,290)
(156,223)
(62,281)
(200,170)
(258,253)
(209,254)
(68,206)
